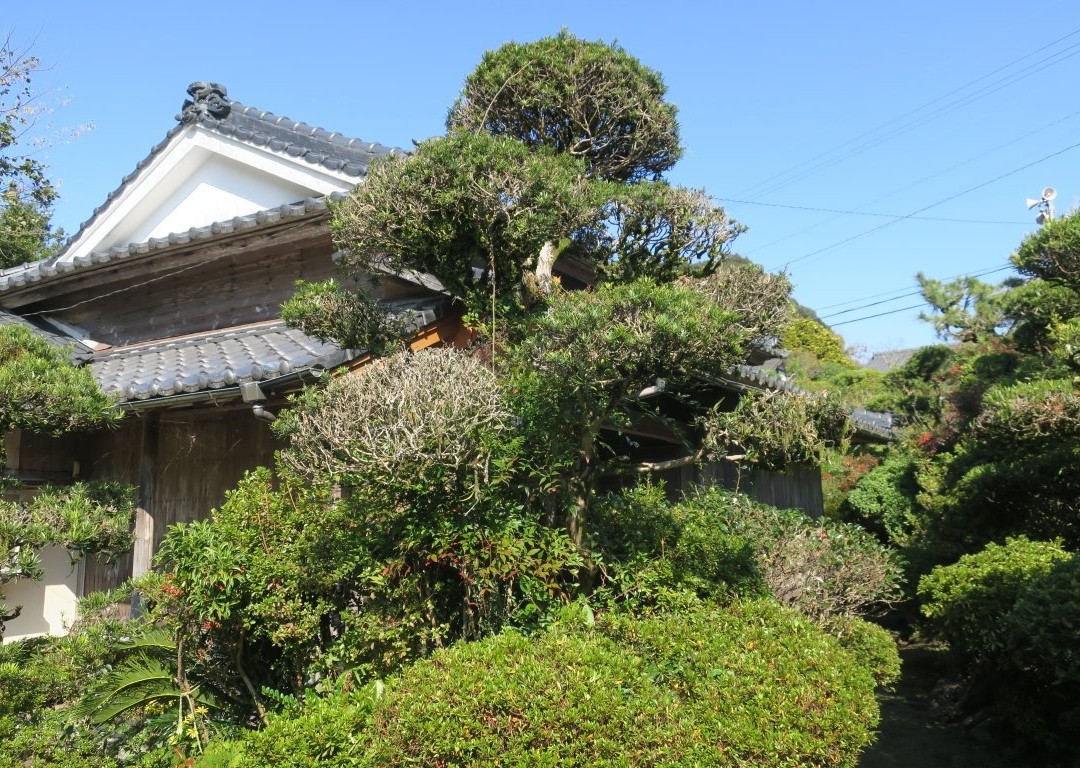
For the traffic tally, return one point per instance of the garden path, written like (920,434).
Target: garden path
(910,735)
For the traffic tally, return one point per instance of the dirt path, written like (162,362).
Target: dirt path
(910,737)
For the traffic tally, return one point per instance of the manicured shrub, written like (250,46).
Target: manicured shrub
(1043,631)
(969,601)
(824,569)
(873,648)
(757,685)
(751,685)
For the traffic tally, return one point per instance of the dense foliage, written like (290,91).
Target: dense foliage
(969,601)
(813,337)
(85,518)
(624,691)
(588,100)
(43,392)
(1010,611)
(555,149)
(981,495)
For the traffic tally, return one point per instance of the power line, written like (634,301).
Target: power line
(865,213)
(872,304)
(880,314)
(897,298)
(909,113)
(1037,67)
(901,296)
(915,183)
(932,205)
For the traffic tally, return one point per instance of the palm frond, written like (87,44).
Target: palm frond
(154,640)
(136,683)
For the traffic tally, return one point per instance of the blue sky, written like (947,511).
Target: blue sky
(885,108)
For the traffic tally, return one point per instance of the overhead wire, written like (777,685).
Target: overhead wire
(880,314)
(931,205)
(982,273)
(916,110)
(1016,77)
(865,213)
(904,188)
(901,296)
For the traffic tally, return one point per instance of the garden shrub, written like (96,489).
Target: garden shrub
(815,337)
(758,685)
(654,554)
(872,646)
(883,500)
(824,569)
(1010,612)
(40,678)
(774,429)
(1031,416)
(969,601)
(1043,632)
(1043,658)
(752,685)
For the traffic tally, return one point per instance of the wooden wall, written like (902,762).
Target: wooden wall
(240,289)
(208,288)
(798,487)
(183,463)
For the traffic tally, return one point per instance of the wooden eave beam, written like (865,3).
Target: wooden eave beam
(160,264)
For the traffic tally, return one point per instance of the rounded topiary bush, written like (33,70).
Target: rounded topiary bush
(1043,633)
(753,684)
(873,647)
(968,602)
(758,685)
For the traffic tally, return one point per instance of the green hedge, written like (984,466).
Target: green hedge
(967,603)
(750,685)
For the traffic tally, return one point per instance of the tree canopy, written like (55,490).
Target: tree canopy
(26,194)
(555,149)
(589,100)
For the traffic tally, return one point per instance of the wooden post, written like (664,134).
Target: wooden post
(144,516)
(12,441)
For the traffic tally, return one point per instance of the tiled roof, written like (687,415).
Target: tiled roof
(221,359)
(244,123)
(866,422)
(890,359)
(79,352)
(35,271)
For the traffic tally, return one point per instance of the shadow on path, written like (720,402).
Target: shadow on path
(910,735)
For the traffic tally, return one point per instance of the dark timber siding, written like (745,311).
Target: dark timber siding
(796,488)
(197,455)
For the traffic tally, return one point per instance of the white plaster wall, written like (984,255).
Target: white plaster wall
(219,190)
(49,605)
(199,178)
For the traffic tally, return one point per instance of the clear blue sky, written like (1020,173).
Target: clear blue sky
(883,107)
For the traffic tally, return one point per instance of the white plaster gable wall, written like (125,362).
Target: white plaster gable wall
(199,178)
(220,188)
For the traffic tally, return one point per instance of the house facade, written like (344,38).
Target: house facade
(171,294)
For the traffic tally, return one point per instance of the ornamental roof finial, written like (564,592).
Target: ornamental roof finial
(207,100)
